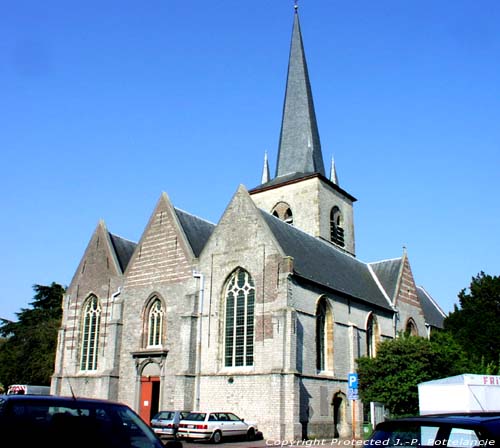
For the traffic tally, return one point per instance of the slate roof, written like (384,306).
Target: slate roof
(299,147)
(387,272)
(197,230)
(434,315)
(321,262)
(123,249)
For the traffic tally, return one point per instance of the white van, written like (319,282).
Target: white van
(27,389)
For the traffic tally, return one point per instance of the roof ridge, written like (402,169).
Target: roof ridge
(385,261)
(121,237)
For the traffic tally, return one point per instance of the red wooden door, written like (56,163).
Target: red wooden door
(148,405)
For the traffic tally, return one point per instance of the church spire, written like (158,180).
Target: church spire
(265,171)
(299,147)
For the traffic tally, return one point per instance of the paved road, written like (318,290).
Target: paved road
(226,443)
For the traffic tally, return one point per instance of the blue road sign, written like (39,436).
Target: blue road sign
(352,380)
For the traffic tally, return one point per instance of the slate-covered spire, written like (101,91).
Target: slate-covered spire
(299,147)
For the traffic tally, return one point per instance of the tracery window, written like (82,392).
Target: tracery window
(90,334)
(155,323)
(239,320)
(336,229)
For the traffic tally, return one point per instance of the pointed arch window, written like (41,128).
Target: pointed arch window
(324,336)
(90,334)
(411,328)
(283,211)
(155,323)
(239,320)
(372,336)
(336,227)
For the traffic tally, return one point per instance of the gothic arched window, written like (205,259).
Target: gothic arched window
(90,334)
(155,323)
(372,336)
(336,227)
(239,320)
(411,327)
(324,336)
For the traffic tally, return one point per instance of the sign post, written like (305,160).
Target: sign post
(353,394)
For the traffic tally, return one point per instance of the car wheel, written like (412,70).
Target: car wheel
(217,437)
(251,434)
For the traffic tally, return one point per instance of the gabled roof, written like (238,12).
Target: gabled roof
(322,263)
(433,314)
(197,230)
(387,271)
(299,147)
(123,249)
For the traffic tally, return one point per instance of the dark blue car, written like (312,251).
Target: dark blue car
(57,422)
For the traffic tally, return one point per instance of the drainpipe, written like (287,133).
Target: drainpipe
(200,276)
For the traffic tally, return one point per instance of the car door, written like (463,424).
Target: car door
(238,426)
(223,423)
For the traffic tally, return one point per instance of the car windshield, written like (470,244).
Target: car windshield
(196,416)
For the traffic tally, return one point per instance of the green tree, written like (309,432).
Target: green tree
(392,377)
(27,353)
(475,323)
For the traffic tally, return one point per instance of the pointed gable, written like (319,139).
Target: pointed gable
(407,290)
(99,262)
(163,255)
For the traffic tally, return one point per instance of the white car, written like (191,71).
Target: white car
(214,426)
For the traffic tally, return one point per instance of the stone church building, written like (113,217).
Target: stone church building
(262,314)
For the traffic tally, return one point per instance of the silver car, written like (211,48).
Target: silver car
(166,423)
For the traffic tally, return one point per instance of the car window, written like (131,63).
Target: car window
(184,414)
(233,417)
(213,417)
(407,435)
(164,415)
(196,416)
(462,437)
(222,417)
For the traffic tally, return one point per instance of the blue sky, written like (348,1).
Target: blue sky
(104,105)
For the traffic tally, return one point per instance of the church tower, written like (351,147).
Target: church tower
(300,192)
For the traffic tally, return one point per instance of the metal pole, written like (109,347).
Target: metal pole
(200,276)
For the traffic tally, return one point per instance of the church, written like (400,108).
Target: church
(262,314)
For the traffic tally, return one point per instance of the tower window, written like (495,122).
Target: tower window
(283,211)
(336,229)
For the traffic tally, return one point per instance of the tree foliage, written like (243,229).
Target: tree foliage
(475,323)
(392,377)
(28,347)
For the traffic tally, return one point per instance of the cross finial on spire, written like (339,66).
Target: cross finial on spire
(295,5)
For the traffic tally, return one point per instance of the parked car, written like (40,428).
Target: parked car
(214,426)
(454,430)
(28,421)
(166,423)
